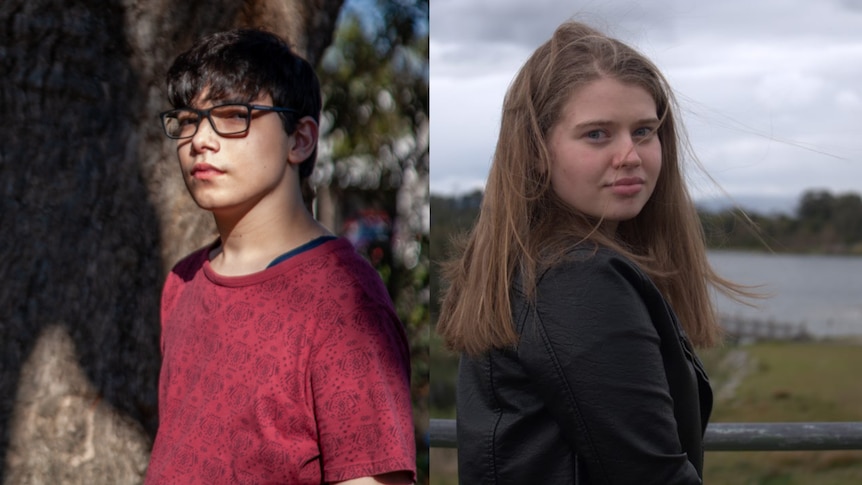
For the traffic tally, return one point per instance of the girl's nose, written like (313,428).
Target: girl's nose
(629,156)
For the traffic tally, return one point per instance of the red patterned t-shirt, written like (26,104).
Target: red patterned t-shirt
(298,374)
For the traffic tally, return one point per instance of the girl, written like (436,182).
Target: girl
(584,283)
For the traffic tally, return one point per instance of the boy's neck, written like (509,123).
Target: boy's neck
(250,241)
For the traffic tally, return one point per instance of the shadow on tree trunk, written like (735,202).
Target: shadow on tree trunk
(79,251)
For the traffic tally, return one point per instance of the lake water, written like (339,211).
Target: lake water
(823,293)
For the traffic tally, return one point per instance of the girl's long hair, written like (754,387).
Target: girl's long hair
(524,227)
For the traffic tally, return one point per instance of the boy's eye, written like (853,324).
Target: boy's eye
(238,112)
(187,118)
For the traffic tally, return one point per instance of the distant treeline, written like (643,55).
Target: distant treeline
(449,216)
(822,222)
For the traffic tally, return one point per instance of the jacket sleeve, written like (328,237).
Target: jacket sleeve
(593,353)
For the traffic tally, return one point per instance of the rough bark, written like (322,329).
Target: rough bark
(92,215)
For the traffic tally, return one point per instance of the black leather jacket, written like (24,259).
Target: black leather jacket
(603,386)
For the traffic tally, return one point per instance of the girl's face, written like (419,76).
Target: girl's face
(606,156)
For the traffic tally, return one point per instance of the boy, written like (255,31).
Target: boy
(283,359)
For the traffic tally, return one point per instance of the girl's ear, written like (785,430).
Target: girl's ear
(304,140)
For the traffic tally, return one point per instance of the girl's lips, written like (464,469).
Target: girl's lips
(628,181)
(627,186)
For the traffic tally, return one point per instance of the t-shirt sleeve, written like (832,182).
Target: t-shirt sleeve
(360,378)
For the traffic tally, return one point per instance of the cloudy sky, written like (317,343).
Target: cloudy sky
(771,90)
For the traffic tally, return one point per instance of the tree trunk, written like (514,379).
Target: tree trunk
(93,214)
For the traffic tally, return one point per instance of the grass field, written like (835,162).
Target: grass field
(760,382)
(787,381)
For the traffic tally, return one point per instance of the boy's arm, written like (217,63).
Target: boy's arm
(396,478)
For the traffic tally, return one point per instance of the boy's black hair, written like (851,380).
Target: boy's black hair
(240,65)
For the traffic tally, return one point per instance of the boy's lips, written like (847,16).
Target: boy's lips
(205,171)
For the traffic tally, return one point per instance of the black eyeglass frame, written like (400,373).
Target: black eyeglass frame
(206,113)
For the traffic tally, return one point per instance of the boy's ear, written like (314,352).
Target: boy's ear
(304,140)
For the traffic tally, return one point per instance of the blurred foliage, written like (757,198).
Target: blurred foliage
(374,157)
(374,77)
(823,223)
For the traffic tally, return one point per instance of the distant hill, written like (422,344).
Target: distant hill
(818,221)
(760,204)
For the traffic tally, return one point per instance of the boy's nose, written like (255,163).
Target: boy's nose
(205,136)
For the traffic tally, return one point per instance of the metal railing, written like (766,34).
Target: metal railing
(732,436)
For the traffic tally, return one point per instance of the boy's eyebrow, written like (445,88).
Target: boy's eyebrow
(217,101)
(229,100)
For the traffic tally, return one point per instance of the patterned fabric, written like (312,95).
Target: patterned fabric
(297,374)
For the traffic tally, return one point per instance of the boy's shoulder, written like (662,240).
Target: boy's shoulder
(340,261)
(192,262)
(334,263)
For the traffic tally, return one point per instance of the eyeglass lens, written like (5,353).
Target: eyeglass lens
(229,119)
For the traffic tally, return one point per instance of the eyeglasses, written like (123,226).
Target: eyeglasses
(226,119)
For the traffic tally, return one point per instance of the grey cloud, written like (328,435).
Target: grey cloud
(529,23)
(770,89)
(855,5)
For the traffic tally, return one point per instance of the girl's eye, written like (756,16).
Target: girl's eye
(644,132)
(595,135)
